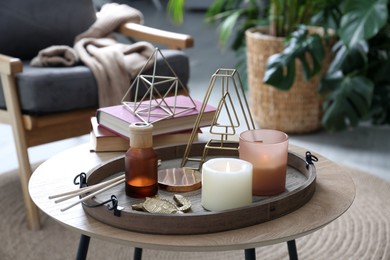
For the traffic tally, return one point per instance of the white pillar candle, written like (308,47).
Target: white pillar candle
(226,184)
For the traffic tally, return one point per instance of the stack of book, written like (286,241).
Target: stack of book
(110,127)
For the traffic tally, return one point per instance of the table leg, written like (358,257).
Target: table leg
(83,247)
(137,253)
(292,250)
(250,254)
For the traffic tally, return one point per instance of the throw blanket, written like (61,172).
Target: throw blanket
(109,18)
(56,56)
(113,64)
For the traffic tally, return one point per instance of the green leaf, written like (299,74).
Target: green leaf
(362,20)
(380,72)
(312,62)
(233,18)
(175,10)
(330,82)
(329,16)
(340,51)
(356,58)
(279,73)
(216,7)
(347,59)
(349,103)
(227,26)
(280,68)
(380,111)
(338,116)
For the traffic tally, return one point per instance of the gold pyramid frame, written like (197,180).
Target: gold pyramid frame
(153,104)
(230,82)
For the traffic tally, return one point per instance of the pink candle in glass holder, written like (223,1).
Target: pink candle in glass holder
(267,150)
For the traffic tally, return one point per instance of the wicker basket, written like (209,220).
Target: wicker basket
(295,111)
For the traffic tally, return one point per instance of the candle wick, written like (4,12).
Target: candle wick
(259,141)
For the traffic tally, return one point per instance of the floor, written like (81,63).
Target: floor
(366,147)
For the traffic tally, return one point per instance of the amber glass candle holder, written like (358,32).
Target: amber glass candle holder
(267,150)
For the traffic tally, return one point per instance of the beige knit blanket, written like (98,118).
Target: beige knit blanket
(55,56)
(113,64)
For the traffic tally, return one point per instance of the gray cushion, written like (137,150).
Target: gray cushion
(52,90)
(28,26)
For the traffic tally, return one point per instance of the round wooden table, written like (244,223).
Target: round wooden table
(335,192)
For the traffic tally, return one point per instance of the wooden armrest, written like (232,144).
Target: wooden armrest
(10,65)
(170,39)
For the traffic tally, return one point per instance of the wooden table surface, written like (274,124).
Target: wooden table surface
(335,192)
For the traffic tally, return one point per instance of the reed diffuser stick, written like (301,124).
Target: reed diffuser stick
(80,191)
(93,194)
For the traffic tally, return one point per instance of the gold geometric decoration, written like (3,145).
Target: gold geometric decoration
(152,103)
(220,127)
(224,83)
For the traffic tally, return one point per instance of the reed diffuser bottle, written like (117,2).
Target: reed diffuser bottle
(141,162)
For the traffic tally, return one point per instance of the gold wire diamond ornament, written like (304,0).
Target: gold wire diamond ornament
(152,106)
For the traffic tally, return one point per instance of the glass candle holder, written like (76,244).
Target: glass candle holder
(267,150)
(226,184)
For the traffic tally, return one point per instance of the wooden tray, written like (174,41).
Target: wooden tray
(300,187)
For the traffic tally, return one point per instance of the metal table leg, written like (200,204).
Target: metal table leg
(250,254)
(137,253)
(83,247)
(292,250)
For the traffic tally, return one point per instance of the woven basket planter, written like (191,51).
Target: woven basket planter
(296,111)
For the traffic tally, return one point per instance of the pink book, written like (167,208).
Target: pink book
(118,118)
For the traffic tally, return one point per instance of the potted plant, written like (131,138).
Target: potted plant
(299,109)
(355,85)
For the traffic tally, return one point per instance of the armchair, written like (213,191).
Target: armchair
(52,103)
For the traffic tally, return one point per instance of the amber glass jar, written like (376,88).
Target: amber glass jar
(141,162)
